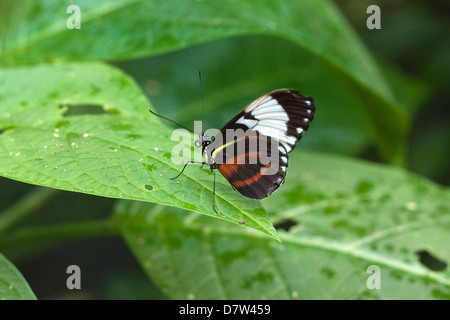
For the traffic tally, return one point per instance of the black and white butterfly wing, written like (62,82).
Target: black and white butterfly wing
(282,116)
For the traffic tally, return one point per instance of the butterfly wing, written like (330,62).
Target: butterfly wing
(283,114)
(279,118)
(253,172)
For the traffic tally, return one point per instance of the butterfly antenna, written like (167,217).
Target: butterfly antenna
(203,100)
(158,115)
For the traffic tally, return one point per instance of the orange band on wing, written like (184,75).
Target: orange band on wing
(248,181)
(227,171)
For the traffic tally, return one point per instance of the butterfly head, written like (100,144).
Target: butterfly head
(202,141)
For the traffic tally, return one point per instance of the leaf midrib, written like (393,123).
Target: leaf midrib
(328,245)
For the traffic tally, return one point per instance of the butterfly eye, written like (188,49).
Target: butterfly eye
(197,144)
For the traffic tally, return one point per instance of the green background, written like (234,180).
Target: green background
(366,186)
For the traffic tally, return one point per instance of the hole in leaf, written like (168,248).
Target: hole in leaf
(2,130)
(285,224)
(431,261)
(149,187)
(81,109)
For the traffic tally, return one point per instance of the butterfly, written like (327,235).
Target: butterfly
(252,149)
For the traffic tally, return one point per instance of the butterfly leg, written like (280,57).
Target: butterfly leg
(214,192)
(190,161)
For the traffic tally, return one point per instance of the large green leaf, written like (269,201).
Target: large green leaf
(36,31)
(341,216)
(12,284)
(117,150)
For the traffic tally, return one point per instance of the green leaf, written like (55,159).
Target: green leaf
(108,33)
(87,129)
(13,286)
(338,224)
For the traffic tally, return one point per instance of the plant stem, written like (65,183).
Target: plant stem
(24,206)
(57,232)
